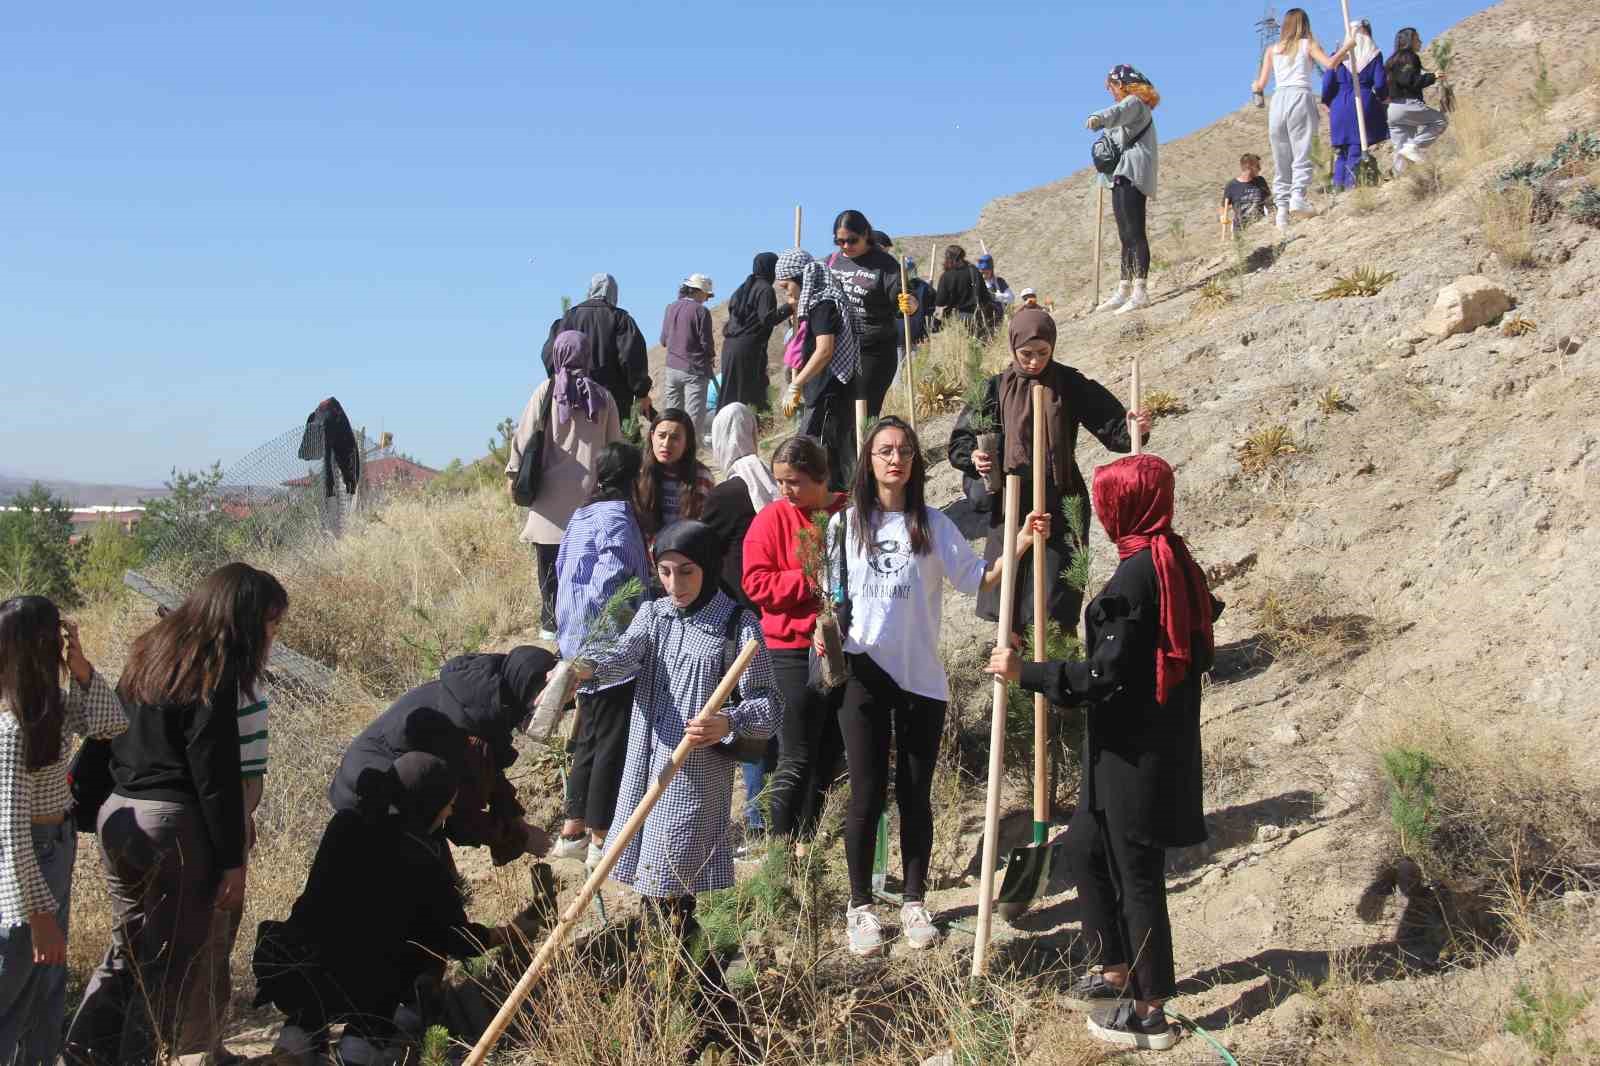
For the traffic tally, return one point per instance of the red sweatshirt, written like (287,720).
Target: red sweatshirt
(772,576)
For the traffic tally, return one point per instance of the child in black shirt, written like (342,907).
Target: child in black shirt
(1247,196)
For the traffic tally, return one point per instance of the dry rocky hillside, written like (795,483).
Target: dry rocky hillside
(1400,774)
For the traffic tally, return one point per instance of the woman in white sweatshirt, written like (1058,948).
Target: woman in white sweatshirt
(1292,123)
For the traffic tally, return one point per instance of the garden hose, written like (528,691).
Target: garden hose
(1194,1027)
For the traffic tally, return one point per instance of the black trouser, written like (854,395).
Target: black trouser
(875,375)
(673,913)
(599,751)
(871,702)
(830,417)
(1122,892)
(808,746)
(1128,204)
(545,565)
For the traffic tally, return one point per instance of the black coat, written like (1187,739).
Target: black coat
(617,350)
(481,696)
(963,290)
(729,513)
(1090,406)
(1141,760)
(753,313)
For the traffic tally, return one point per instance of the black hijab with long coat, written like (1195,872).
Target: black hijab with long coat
(753,313)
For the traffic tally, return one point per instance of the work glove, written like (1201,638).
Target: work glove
(904,303)
(1095,122)
(791,400)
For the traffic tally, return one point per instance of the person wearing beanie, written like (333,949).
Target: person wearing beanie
(691,346)
(1071,401)
(1293,120)
(1149,639)
(678,648)
(1339,95)
(1131,125)
(379,909)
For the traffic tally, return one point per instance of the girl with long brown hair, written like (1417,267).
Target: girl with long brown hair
(673,484)
(1293,120)
(38,841)
(898,554)
(173,832)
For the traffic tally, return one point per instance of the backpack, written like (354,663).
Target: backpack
(525,489)
(90,782)
(1106,153)
(739,749)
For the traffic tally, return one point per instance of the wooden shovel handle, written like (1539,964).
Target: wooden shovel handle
(630,829)
(1041,706)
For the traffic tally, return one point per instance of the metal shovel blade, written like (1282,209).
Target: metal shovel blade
(1026,870)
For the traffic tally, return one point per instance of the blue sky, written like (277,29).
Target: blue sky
(213,218)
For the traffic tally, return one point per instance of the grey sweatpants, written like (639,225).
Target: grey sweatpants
(1291,128)
(159,975)
(1415,123)
(687,390)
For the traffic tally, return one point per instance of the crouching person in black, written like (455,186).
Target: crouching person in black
(380,908)
(1149,639)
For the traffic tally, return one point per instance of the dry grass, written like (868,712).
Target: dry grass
(1423,181)
(1517,326)
(1332,401)
(1162,404)
(1265,447)
(1215,295)
(1505,219)
(1363,281)
(1303,616)
(1363,200)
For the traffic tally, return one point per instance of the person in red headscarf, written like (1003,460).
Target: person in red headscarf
(1148,640)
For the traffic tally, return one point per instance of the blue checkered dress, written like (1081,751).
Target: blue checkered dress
(683,848)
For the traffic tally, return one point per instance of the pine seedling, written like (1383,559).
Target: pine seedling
(614,616)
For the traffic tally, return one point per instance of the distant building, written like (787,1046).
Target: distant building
(382,473)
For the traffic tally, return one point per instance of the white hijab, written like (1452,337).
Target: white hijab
(1365,51)
(733,444)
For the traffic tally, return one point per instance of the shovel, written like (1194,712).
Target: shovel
(1029,866)
(1367,168)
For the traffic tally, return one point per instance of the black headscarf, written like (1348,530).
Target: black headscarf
(742,304)
(488,695)
(423,785)
(701,545)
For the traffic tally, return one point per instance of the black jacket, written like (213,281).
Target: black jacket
(1406,77)
(476,695)
(328,437)
(616,347)
(729,513)
(1141,760)
(189,753)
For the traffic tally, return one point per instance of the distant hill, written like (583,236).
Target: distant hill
(79,493)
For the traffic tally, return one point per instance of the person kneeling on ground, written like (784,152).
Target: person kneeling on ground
(466,718)
(380,908)
(680,646)
(1149,639)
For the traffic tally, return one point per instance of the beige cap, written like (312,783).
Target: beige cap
(701,282)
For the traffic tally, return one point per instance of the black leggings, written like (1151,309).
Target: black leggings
(599,751)
(1128,203)
(830,418)
(871,701)
(1122,892)
(808,748)
(545,565)
(875,375)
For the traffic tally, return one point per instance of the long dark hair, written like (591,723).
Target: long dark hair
(955,257)
(1407,40)
(855,222)
(616,471)
(218,633)
(30,675)
(686,470)
(864,493)
(805,455)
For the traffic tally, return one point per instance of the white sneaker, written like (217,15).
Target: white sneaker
(1138,301)
(865,931)
(576,848)
(916,925)
(1411,153)
(1283,220)
(547,634)
(1300,207)
(592,857)
(1117,299)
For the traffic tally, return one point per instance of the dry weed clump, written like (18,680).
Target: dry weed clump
(1333,401)
(1305,618)
(1363,281)
(1517,326)
(1213,296)
(1505,218)
(1163,404)
(1265,447)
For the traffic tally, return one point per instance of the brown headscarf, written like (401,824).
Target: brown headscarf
(1016,403)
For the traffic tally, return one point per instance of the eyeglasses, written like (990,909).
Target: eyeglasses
(845,242)
(886,454)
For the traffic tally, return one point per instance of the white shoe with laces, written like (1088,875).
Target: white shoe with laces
(1300,207)
(1283,220)
(1411,153)
(1139,300)
(865,931)
(570,847)
(1117,299)
(591,858)
(916,925)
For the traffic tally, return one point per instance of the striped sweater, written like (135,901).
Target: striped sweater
(253,735)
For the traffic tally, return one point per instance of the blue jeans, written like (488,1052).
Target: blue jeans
(33,998)
(755,779)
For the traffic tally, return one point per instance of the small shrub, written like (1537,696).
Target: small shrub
(1363,200)
(1213,296)
(1411,797)
(1517,326)
(1162,404)
(1422,181)
(1576,149)
(435,1050)
(1543,93)
(1542,1019)
(1505,216)
(1302,617)
(1265,447)
(1585,206)
(1333,401)
(1363,281)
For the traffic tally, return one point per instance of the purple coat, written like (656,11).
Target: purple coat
(1336,93)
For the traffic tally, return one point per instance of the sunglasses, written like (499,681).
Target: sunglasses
(845,242)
